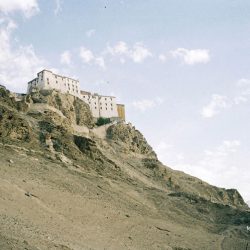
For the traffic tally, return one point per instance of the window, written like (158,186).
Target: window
(56,82)
(105,99)
(95,107)
(106,109)
(101,107)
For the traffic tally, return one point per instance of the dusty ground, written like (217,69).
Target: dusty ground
(45,205)
(63,191)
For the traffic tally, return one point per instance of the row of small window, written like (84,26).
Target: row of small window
(89,97)
(111,104)
(72,87)
(77,91)
(106,108)
(105,98)
(66,78)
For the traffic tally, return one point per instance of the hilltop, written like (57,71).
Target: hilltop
(68,184)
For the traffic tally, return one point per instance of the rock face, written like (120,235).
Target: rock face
(131,138)
(12,125)
(85,192)
(77,111)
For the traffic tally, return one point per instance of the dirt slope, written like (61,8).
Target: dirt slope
(63,190)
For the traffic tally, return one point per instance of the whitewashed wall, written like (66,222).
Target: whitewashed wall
(93,101)
(108,106)
(48,80)
(100,106)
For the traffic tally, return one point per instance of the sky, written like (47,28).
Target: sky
(182,68)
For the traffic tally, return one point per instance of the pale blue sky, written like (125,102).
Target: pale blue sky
(180,67)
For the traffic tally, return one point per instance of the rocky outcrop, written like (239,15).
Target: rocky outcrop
(12,126)
(5,97)
(74,109)
(232,196)
(131,138)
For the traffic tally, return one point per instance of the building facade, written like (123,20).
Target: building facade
(46,79)
(121,111)
(100,106)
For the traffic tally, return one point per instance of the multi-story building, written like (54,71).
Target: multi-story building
(46,79)
(100,106)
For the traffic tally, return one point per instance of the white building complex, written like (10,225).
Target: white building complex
(100,106)
(46,79)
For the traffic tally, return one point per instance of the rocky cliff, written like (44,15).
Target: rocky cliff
(65,187)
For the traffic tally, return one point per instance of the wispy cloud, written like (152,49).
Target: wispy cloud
(218,165)
(217,103)
(100,62)
(162,57)
(27,7)
(191,57)
(18,64)
(215,165)
(137,53)
(90,33)
(244,86)
(65,58)
(211,161)
(88,57)
(222,102)
(145,104)
(58,7)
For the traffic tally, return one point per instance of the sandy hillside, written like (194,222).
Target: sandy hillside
(64,184)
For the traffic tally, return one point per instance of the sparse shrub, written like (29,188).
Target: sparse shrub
(46,126)
(57,144)
(102,121)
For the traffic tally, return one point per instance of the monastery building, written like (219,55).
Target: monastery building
(100,106)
